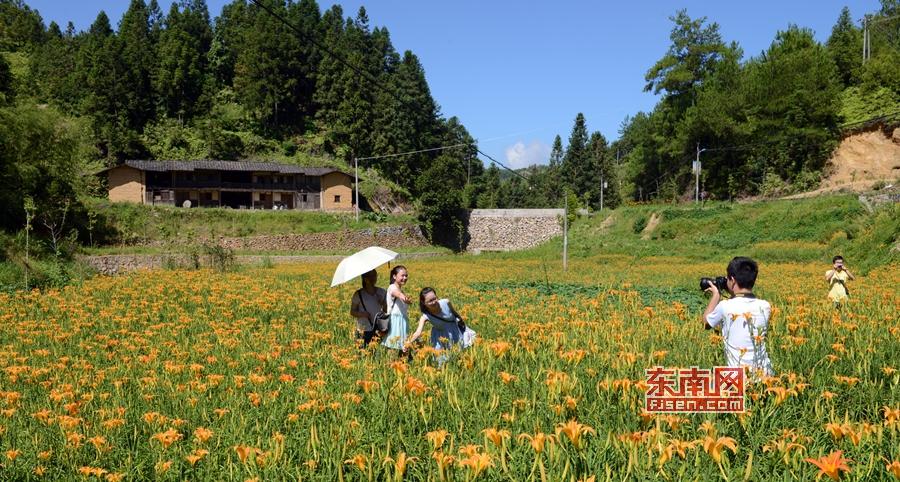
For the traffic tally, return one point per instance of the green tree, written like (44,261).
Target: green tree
(100,69)
(268,70)
(489,197)
(576,165)
(793,98)
(136,53)
(696,49)
(20,26)
(7,94)
(182,72)
(45,156)
(52,73)
(603,171)
(845,48)
(441,202)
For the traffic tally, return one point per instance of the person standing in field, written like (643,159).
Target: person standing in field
(837,278)
(447,327)
(365,305)
(744,318)
(398,308)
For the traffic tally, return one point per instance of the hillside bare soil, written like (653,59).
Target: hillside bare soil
(860,161)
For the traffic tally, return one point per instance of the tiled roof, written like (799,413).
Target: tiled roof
(166,166)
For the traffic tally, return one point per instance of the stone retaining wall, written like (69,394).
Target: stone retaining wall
(113,264)
(387,237)
(512,229)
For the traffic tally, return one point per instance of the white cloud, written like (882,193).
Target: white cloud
(520,155)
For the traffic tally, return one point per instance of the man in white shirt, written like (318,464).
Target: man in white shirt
(743,318)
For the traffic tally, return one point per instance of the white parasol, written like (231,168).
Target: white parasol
(360,263)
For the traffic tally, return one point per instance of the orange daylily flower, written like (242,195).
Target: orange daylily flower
(714,446)
(477,463)
(574,431)
(437,438)
(893,468)
(359,460)
(496,436)
(537,440)
(831,465)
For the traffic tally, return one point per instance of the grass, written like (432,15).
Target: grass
(134,223)
(151,250)
(800,230)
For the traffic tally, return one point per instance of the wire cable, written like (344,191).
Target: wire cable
(322,47)
(454,146)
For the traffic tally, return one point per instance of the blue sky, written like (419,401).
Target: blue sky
(517,73)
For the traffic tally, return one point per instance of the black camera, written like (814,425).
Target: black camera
(719,282)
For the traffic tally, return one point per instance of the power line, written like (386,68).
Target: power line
(365,75)
(322,47)
(501,164)
(413,152)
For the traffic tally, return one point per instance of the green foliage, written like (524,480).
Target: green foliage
(859,104)
(871,240)
(133,223)
(20,26)
(220,257)
(441,208)
(7,81)
(639,224)
(44,156)
(576,169)
(171,139)
(844,47)
(182,71)
(773,185)
(776,114)
(786,230)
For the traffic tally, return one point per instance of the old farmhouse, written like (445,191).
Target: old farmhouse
(235,184)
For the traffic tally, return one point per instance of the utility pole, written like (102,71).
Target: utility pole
(865,37)
(566,232)
(356,185)
(696,167)
(602,186)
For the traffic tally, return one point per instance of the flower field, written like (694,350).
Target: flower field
(198,375)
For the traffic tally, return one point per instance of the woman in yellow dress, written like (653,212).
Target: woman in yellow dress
(837,279)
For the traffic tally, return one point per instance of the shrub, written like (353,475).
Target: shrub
(639,224)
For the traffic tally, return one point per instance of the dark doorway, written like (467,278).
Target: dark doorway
(237,200)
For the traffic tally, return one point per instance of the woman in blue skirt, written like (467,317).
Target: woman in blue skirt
(398,307)
(447,329)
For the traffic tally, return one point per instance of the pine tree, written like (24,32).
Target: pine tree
(182,73)
(556,153)
(20,27)
(7,93)
(99,68)
(136,53)
(441,203)
(267,70)
(844,46)
(576,165)
(490,185)
(793,95)
(227,40)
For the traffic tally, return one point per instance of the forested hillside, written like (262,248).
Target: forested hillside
(765,123)
(284,80)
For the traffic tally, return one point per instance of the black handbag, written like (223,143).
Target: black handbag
(457,319)
(381,322)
